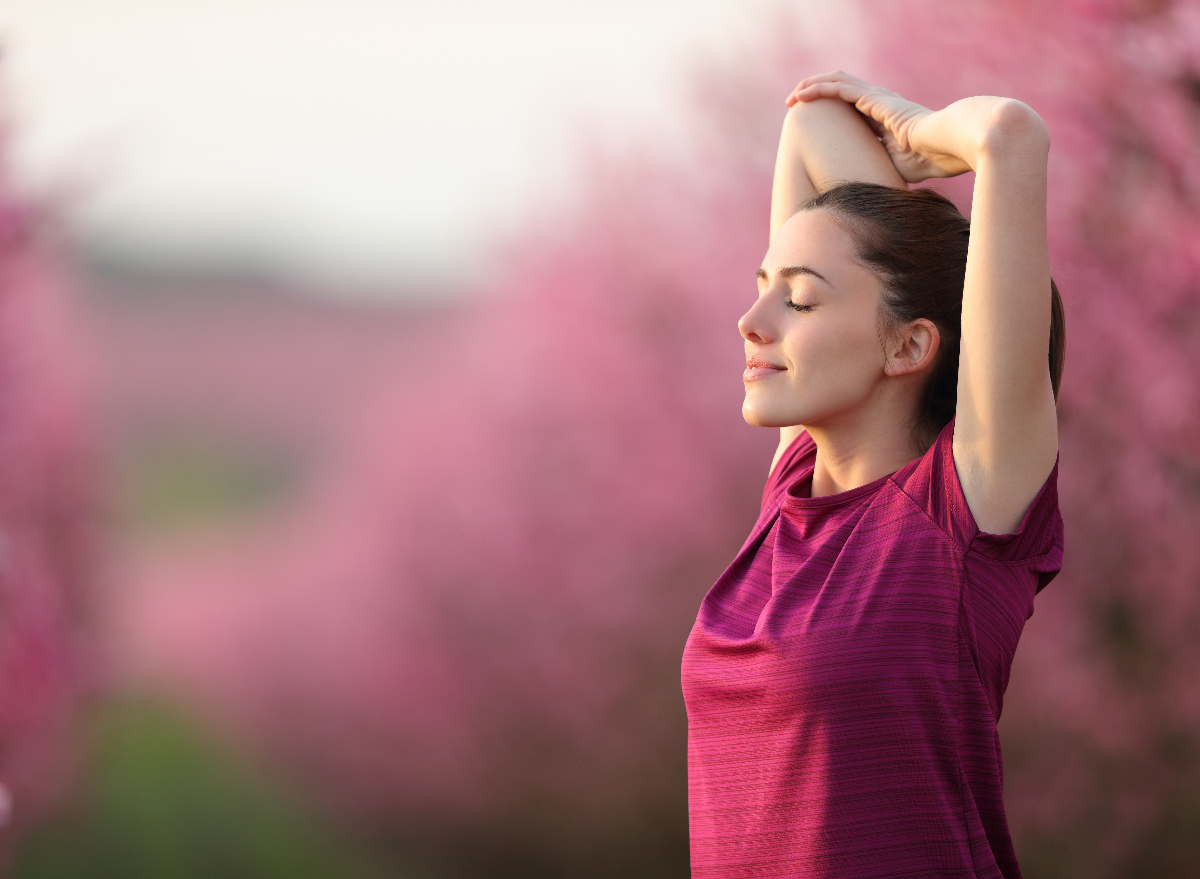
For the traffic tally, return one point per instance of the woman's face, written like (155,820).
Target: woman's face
(813,348)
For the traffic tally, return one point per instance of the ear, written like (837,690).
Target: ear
(913,348)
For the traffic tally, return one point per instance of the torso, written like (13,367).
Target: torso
(845,675)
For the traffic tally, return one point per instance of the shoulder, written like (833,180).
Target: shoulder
(933,483)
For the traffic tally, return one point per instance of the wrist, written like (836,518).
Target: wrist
(983,129)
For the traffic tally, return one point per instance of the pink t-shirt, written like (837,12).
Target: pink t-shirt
(845,674)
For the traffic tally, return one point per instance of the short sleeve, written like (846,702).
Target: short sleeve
(934,485)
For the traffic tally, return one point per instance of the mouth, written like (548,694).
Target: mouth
(758,369)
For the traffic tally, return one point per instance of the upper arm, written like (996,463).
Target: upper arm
(824,142)
(1006,430)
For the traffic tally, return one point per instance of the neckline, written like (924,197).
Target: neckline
(809,455)
(850,494)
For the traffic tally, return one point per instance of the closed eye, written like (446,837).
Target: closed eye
(798,306)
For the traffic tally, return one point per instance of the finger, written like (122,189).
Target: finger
(833,76)
(845,91)
(793,96)
(875,107)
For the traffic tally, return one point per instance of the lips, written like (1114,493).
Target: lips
(757,369)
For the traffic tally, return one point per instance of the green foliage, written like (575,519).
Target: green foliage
(176,485)
(162,802)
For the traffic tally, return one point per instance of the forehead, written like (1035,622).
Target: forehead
(813,238)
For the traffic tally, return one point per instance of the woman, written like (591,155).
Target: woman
(845,674)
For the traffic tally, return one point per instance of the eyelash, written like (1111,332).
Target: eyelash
(805,308)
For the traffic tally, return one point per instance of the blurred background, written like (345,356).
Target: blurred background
(370,430)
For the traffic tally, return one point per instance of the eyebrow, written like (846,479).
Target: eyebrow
(792,272)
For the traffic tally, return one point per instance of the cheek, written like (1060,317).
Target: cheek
(849,346)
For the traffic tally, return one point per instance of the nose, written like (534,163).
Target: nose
(754,325)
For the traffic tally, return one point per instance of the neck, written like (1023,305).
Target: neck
(860,446)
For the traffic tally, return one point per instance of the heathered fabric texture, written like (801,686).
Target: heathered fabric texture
(845,674)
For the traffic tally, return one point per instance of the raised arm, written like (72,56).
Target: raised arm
(1006,429)
(824,142)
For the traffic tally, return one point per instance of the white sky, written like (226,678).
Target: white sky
(353,140)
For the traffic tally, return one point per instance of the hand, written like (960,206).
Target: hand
(896,122)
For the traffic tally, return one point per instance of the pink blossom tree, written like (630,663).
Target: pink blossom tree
(473,629)
(1103,724)
(47,518)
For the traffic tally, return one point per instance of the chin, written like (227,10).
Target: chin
(759,418)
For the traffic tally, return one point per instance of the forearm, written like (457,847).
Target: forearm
(983,130)
(825,142)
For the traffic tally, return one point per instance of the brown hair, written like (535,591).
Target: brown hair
(916,241)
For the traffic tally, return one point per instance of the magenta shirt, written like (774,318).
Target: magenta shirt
(845,674)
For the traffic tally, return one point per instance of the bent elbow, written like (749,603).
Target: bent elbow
(1015,127)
